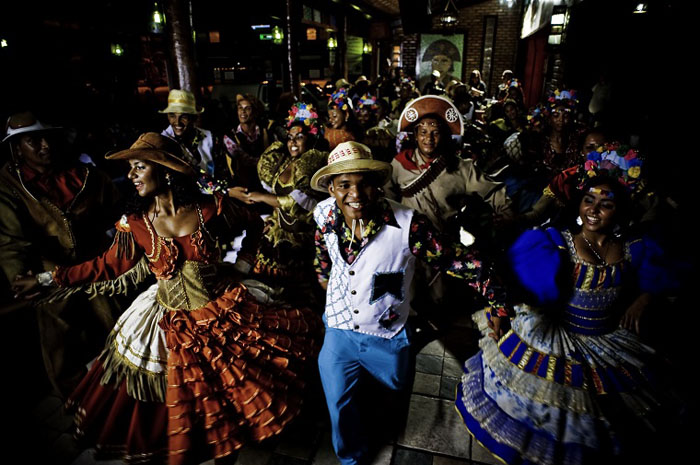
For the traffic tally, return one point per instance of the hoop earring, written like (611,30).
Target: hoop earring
(579,221)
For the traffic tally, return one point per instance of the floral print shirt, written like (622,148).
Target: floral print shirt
(426,243)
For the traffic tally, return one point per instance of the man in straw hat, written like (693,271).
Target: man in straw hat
(182,113)
(53,211)
(367,247)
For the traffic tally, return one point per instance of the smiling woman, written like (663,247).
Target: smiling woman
(182,338)
(567,380)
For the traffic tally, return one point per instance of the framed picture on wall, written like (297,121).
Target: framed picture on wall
(444,53)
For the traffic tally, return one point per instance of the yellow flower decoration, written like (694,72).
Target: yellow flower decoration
(600,149)
(634,172)
(591,173)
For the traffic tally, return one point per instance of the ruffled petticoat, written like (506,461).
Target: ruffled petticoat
(181,386)
(548,396)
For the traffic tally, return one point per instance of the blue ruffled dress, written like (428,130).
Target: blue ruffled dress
(551,390)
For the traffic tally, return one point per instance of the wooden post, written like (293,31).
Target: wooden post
(291,83)
(181,42)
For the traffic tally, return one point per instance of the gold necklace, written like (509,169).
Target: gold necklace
(592,249)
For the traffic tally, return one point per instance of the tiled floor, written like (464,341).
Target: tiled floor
(426,429)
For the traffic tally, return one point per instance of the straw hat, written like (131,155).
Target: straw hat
(436,105)
(22,123)
(156,148)
(349,157)
(342,82)
(181,101)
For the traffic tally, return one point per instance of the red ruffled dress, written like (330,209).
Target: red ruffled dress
(187,375)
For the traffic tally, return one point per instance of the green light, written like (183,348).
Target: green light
(156,17)
(332,43)
(277,35)
(117,50)
(3,43)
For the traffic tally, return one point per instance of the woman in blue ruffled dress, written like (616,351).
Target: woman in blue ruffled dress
(567,380)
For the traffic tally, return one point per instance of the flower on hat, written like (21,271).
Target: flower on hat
(536,117)
(593,155)
(305,114)
(567,98)
(339,99)
(626,169)
(367,102)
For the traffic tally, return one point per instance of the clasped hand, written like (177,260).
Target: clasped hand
(25,286)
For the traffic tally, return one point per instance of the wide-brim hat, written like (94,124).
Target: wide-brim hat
(342,82)
(182,101)
(156,148)
(22,123)
(436,105)
(349,157)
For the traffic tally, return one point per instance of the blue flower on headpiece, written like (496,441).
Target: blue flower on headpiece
(593,155)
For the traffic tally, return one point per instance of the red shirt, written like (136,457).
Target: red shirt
(60,188)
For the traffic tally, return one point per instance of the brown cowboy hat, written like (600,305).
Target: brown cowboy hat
(156,148)
(436,105)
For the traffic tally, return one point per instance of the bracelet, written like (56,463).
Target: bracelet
(45,279)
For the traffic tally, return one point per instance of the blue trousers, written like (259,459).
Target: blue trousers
(343,358)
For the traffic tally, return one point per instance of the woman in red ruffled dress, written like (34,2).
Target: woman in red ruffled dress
(202,361)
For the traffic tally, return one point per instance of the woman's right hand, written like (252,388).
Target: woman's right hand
(25,286)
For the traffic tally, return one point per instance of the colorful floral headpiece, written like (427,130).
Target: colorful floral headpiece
(514,83)
(618,161)
(340,100)
(367,102)
(567,98)
(304,113)
(536,117)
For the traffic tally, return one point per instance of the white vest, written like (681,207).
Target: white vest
(371,295)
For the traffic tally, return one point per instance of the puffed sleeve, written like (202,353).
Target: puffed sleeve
(269,163)
(310,162)
(656,271)
(123,255)
(537,259)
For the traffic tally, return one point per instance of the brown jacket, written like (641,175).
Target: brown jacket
(36,235)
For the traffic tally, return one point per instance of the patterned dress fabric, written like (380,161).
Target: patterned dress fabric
(565,383)
(286,249)
(189,374)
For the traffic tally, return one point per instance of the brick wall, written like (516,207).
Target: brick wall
(471,23)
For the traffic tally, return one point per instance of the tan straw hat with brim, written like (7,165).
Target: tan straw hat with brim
(434,105)
(22,123)
(156,148)
(181,101)
(349,157)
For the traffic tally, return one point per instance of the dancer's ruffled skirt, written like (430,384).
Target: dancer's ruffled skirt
(547,396)
(177,386)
